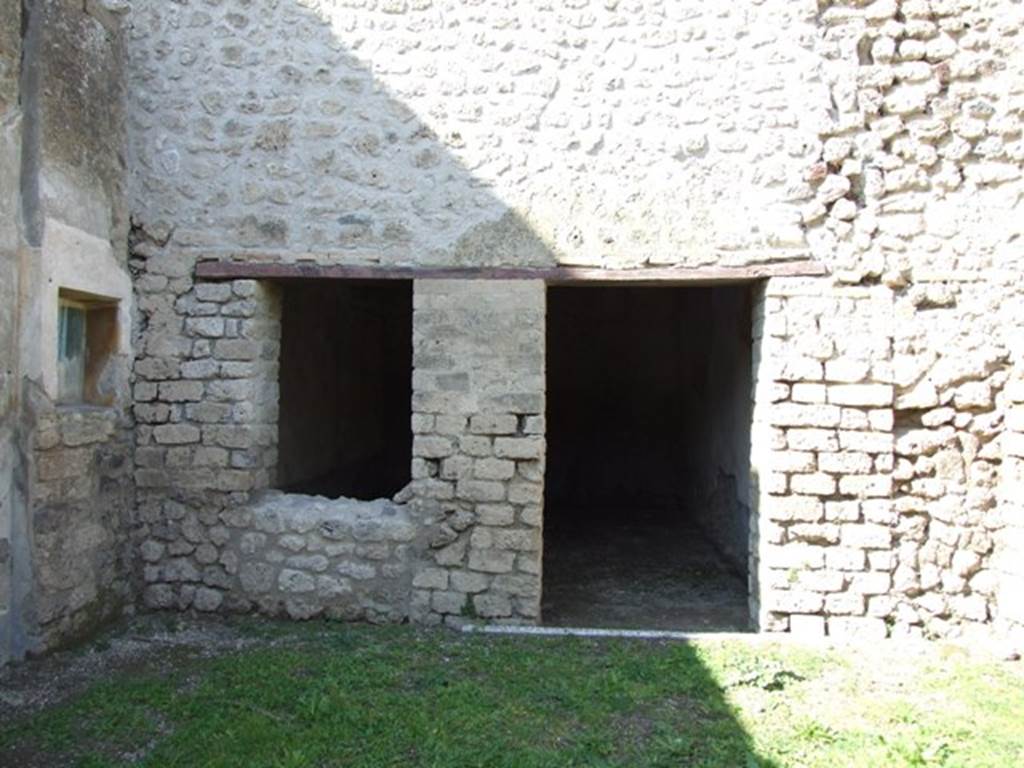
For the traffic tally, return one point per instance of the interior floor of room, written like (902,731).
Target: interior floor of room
(638,574)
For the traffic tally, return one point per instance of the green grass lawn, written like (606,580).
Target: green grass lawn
(335,695)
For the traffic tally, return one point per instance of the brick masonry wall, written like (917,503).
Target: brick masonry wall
(478,452)
(918,194)
(823,456)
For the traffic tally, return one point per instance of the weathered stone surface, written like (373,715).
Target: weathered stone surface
(887,431)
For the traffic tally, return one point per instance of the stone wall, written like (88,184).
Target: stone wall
(478,452)
(823,456)
(288,554)
(883,139)
(1007,561)
(464,538)
(918,190)
(438,132)
(10,161)
(66,494)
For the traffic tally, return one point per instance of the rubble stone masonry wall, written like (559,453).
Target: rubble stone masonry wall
(881,139)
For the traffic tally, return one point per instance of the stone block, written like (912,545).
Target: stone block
(822,581)
(475,445)
(845,463)
(811,484)
(814,533)
(207,599)
(491,606)
(793,601)
(467,581)
(808,393)
(846,370)
(448,602)
(480,490)
(812,440)
(314,563)
(295,581)
(871,583)
(493,424)
(215,292)
(159,596)
(494,469)
(534,425)
(863,395)
(200,369)
(205,327)
(520,540)
(457,467)
(807,627)
(792,461)
(866,486)
(866,536)
(237,349)
(793,508)
(449,424)
(532,515)
(804,415)
(521,492)
(495,514)
(859,629)
(845,603)
(796,555)
(431,578)
(491,560)
(176,434)
(867,442)
(432,447)
(519,447)
(422,423)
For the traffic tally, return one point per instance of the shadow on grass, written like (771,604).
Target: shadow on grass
(397,696)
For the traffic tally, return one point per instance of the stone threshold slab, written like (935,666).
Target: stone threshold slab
(633,634)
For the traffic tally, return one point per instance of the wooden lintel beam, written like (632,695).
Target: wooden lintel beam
(235,270)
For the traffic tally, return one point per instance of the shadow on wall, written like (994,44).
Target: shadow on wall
(297,142)
(430,134)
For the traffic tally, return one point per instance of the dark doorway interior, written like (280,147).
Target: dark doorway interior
(646,520)
(346,388)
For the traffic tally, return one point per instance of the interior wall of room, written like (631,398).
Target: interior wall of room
(346,387)
(721,483)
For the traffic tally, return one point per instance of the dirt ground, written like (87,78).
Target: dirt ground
(146,643)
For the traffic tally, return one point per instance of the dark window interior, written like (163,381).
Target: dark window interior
(345,388)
